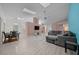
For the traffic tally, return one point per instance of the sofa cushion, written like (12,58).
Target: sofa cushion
(54,32)
(69,33)
(52,36)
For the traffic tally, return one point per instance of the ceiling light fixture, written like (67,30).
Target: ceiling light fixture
(28,11)
(45,4)
(20,18)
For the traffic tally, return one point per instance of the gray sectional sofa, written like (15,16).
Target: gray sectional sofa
(52,36)
(57,38)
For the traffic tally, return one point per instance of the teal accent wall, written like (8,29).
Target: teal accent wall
(73,19)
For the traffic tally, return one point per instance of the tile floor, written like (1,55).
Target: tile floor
(33,45)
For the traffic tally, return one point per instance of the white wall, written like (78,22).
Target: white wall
(55,11)
(10,12)
(0,29)
(1,19)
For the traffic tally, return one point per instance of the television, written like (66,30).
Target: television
(36,28)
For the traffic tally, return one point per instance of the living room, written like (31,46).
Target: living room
(38,29)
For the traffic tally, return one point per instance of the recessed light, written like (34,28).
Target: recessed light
(45,4)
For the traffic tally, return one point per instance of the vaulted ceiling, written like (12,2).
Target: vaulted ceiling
(54,12)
